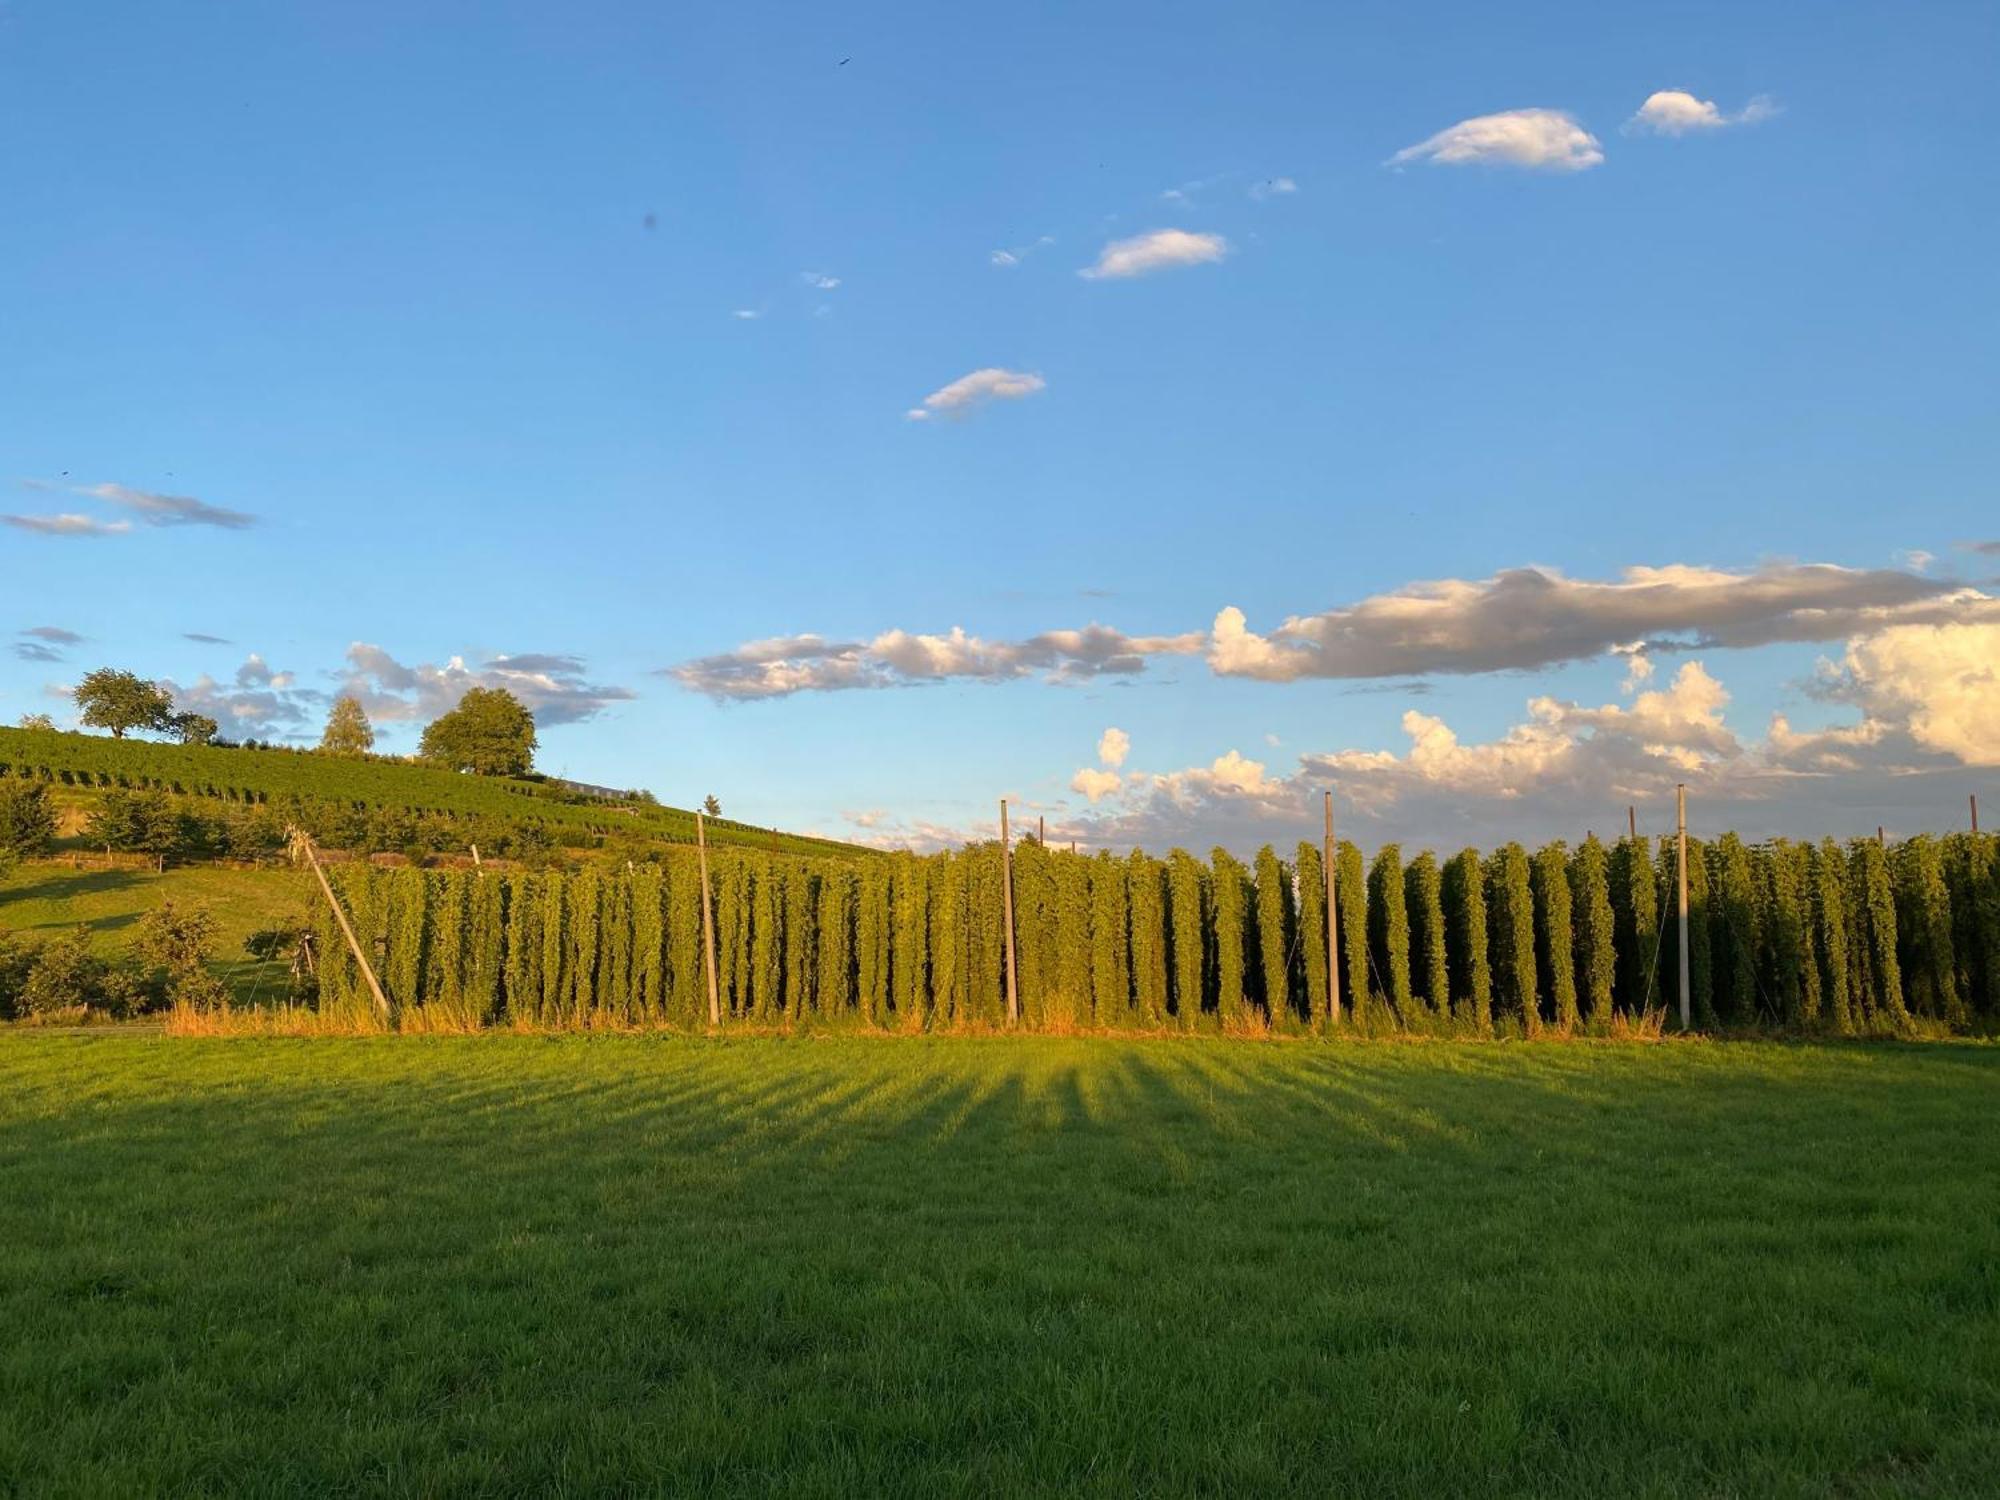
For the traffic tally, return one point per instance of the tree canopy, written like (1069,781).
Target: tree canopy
(116,700)
(348,731)
(490,733)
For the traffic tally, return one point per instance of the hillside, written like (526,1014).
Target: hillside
(299,779)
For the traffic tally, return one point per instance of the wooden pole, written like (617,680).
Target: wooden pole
(1975,810)
(1881,838)
(303,842)
(1327,851)
(1042,829)
(1631,821)
(707,924)
(1007,912)
(1681,825)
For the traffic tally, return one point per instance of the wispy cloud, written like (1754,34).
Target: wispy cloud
(1155,250)
(1677,112)
(55,635)
(748,314)
(1541,139)
(1272,187)
(1983,549)
(203,640)
(67,524)
(1526,618)
(37,651)
(552,686)
(809,663)
(169,510)
(1008,259)
(819,280)
(976,389)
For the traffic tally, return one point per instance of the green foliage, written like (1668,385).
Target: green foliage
(1829,939)
(1877,972)
(836,941)
(1423,900)
(1188,916)
(348,731)
(1510,912)
(1276,930)
(871,941)
(1595,926)
(1555,935)
(1350,889)
(63,976)
(119,701)
(1389,927)
(1466,940)
(1146,894)
(1110,950)
(489,734)
(1923,922)
(1636,930)
(909,948)
(192,728)
(1791,979)
(142,823)
(1312,933)
(27,820)
(1229,885)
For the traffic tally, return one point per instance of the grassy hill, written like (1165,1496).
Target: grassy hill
(275,777)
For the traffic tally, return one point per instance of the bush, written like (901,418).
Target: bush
(65,975)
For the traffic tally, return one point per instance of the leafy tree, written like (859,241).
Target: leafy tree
(37,721)
(65,974)
(1147,882)
(1510,910)
(488,734)
(1230,911)
(1186,909)
(27,820)
(119,701)
(1350,891)
(1276,926)
(1636,935)
(193,728)
(1829,936)
(348,731)
(142,823)
(1110,941)
(711,805)
(1923,921)
(180,938)
(1311,868)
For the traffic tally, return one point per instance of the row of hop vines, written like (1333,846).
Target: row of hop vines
(1847,939)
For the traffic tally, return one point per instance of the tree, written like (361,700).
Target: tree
(1595,926)
(711,805)
(1389,926)
(37,721)
(110,699)
(141,823)
(192,728)
(348,731)
(27,820)
(1555,933)
(488,734)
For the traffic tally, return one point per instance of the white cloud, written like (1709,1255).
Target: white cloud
(66,525)
(1929,700)
(1677,112)
(748,314)
(819,280)
(551,687)
(1273,187)
(976,389)
(1113,746)
(1916,559)
(169,510)
(1536,617)
(1096,784)
(1545,139)
(1155,250)
(896,658)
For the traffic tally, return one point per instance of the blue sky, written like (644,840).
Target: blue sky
(447,298)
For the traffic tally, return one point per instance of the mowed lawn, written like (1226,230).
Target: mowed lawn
(517,1265)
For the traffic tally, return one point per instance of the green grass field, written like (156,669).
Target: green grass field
(519,1265)
(44,898)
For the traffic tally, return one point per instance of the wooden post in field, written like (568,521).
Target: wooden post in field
(475,856)
(302,842)
(1332,947)
(1681,826)
(1042,827)
(707,923)
(1631,821)
(1975,810)
(1007,913)
(1881,838)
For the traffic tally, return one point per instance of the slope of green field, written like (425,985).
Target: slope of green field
(43,898)
(267,775)
(524,1265)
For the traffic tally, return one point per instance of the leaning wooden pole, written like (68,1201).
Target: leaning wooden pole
(1332,945)
(707,923)
(1007,914)
(1975,810)
(302,842)
(1681,824)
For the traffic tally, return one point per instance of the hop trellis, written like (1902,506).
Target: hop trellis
(1841,938)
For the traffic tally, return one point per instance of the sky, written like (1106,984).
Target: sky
(1155,415)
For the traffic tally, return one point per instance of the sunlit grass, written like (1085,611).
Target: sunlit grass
(507,1264)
